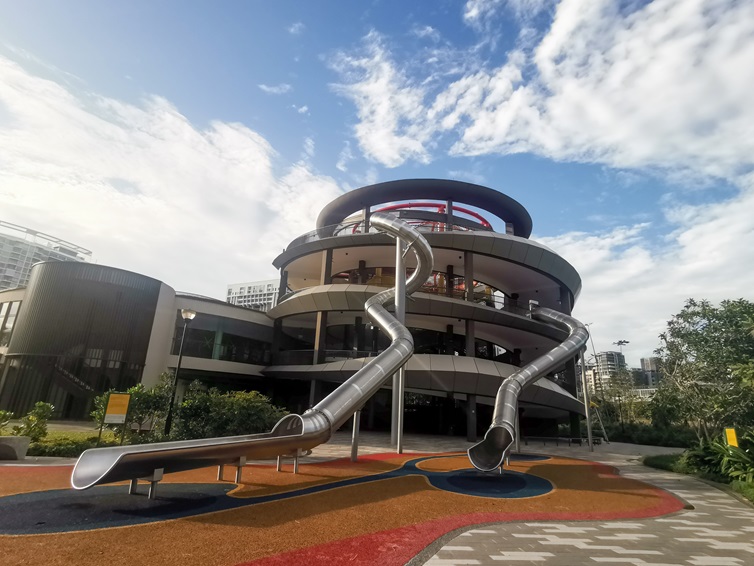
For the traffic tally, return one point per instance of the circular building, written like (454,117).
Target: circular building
(469,321)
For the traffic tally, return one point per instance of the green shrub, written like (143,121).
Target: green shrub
(667,462)
(745,489)
(34,424)
(5,418)
(717,461)
(737,462)
(66,447)
(208,414)
(642,433)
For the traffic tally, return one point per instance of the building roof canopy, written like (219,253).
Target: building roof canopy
(489,200)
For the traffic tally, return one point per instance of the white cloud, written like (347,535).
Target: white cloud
(471,176)
(282,88)
(666,86)
(477,13)
(136,183)
(296,28)
(345,156)
(301,109)
(660,88)
(391,126)
(426,32)
(308,148)
(633,283)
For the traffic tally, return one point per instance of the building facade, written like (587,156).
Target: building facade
(21,248)
(257,295)
(79,330)
(468,321)
(650,367)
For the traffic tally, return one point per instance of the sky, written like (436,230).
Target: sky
(191,140)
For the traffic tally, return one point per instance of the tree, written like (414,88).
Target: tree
(704,355)
(620,390)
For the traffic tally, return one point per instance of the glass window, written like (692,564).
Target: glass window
(10,319)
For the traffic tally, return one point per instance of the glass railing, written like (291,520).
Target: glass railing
(306,357)
(495,301)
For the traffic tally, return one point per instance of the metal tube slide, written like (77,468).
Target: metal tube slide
(293,432)
(489,454)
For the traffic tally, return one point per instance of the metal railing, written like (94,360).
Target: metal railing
(357,227)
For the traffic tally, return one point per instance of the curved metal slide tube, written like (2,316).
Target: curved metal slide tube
(292,432)
(489,454)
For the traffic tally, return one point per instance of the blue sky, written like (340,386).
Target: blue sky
(157,132)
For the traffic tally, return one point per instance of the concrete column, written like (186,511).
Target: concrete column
(320,333)
(449,340)
(449,214)
(315,392)
(326,273)
(367,216)
(320,336)
(468,274)
(470,339)
(217,346)
(283,289)
(362,280)
(360,334)
(449,281)
(471,418)
(400,376)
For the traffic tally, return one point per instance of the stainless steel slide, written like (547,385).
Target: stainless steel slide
(293,432)
(489,454)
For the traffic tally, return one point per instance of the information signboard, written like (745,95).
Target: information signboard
(730,436)
(117,408)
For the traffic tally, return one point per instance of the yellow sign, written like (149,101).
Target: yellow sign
(730,436)
(117,408)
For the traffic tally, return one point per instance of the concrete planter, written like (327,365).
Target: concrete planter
(14,447)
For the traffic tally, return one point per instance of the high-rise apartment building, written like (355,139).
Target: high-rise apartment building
(257,295)
(610,363)
(20,248)
(651,369)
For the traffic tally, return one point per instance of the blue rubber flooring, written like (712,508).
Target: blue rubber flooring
(66,510)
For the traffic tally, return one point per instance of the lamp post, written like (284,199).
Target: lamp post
(620,344)
(188,315)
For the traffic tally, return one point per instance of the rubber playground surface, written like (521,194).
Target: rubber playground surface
(383,509)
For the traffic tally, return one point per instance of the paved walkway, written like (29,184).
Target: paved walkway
(718,531)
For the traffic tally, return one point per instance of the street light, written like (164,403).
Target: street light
(620,344)
(188,315)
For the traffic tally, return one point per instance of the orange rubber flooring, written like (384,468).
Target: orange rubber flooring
(383,509)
